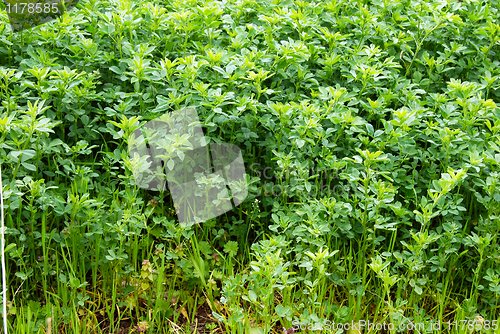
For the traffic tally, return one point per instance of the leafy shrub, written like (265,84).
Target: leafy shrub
(370,133)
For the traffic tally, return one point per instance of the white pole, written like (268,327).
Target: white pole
(4,278)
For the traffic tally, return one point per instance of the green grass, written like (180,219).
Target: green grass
(370,133)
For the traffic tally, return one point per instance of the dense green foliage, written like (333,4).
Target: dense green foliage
(371,138)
